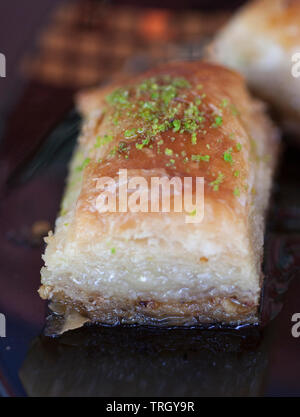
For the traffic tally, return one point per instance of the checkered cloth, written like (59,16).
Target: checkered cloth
(89,41)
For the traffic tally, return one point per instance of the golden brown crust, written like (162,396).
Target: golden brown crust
(219,86)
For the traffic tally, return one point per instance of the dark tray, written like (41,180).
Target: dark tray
(134,361)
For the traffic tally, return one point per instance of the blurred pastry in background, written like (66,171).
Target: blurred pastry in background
(262,41)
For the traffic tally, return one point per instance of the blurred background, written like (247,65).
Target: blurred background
(73,44)
(53,48)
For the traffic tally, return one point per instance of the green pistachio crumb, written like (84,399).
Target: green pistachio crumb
(168,151)
(236,192)
(200,158)
(216,183)
(176,124)
(218,121)
(100,141)
(129,133)
(194,138)
(84,164)
(228,156)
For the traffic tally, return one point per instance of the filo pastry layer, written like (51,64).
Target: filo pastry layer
(183,119)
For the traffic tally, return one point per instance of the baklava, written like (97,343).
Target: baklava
(166,267)
(262,42)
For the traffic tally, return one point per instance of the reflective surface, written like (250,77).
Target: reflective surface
(145,362)
(136,361)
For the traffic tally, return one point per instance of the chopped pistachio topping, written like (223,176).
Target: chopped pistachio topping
(194,138)
(218,121)
(84,164)
(236,192)
(100,141)
(141,145)
(113,151)
(200,158)
(130,133)
(157,104)
(216,183)
(123,147)
(176,124)
(190,125)
(228,156)
(119,97)
(164,103)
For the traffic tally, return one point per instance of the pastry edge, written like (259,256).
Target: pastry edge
(222,309)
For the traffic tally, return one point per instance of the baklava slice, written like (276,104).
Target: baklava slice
(156,266)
